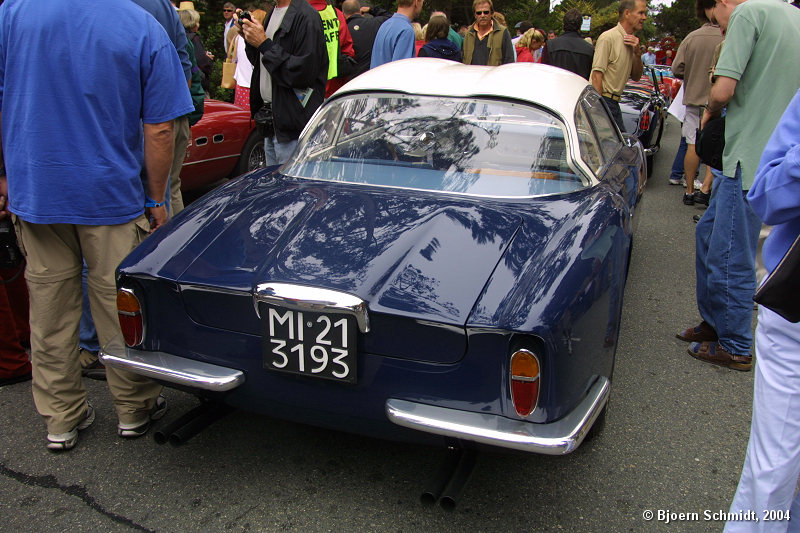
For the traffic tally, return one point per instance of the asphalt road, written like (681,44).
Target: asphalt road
(674,442)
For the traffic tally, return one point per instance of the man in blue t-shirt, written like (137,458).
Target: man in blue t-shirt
(395,39)
(75,137)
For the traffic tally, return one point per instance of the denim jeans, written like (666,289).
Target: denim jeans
(726,238)
(88,333)
(269,151)
(284,150)
(277,152)
(677,163)
(616,112)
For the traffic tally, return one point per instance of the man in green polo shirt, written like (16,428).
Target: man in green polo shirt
(757,76)
(616,56)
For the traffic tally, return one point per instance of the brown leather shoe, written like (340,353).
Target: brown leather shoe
(712,352)
(702,332)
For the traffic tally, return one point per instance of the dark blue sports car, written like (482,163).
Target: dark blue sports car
(444,257)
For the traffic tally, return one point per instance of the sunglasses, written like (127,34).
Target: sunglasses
(227,10)
(483,12)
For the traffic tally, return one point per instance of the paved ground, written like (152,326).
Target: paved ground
(675,440)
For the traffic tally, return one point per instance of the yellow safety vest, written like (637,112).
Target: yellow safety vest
(330,26)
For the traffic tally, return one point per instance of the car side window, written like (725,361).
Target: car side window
(587,142)
(604,127)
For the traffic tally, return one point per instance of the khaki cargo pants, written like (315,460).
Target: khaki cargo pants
(55,255)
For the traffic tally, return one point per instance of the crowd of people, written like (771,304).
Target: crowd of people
(123,161)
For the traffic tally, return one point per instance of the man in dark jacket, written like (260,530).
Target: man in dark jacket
(290,70)
(363,30)
(570,51)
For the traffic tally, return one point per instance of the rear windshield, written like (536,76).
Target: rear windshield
(463,145)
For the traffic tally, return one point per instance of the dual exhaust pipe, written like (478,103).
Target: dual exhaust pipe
(445,487)
(180,430)
(451,478)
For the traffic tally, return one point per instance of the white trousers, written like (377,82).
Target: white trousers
(772,465)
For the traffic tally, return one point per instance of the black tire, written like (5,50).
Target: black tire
(253,156)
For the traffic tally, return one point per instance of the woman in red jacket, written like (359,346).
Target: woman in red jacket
(529,46)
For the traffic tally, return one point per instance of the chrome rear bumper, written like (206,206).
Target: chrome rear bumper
(170,368)
(651,151)
(556,438)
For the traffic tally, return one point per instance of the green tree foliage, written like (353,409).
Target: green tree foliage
(677,20)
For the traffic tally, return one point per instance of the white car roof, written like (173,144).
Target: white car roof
(545,85)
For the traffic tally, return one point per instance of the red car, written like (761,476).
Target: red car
(671,84)
(224,144)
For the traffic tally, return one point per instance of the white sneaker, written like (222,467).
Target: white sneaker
(67,441)
(132,431)
(698,185)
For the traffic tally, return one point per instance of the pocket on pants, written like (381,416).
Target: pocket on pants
(142,226)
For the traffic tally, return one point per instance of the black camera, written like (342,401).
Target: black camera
(265,121)
(10,255)
(245,15)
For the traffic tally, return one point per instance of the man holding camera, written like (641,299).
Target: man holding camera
(290,70)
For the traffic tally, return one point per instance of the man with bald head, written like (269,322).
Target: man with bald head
(363,23)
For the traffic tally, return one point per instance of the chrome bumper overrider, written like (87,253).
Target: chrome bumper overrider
(171,368)
(651,151)
(556,438)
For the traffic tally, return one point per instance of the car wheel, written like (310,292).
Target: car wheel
(253,156)
(650,162)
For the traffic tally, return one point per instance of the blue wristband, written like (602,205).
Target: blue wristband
(149,202)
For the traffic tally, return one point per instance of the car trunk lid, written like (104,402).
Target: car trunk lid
(419,260)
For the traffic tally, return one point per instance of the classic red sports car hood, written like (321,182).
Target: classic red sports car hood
(425,256)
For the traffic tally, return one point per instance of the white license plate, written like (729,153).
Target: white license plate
(321,345)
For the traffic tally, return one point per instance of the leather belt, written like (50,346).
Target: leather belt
(615,97)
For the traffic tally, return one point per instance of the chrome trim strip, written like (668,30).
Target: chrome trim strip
(526,379)
(171,368)
(555,438)
(456,193)
(211,159)
(219,290)
(304,298)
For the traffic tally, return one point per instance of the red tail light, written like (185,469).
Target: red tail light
(129,311)
(524,382)
(644,121)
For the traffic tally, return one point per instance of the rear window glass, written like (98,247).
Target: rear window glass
(463,145)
